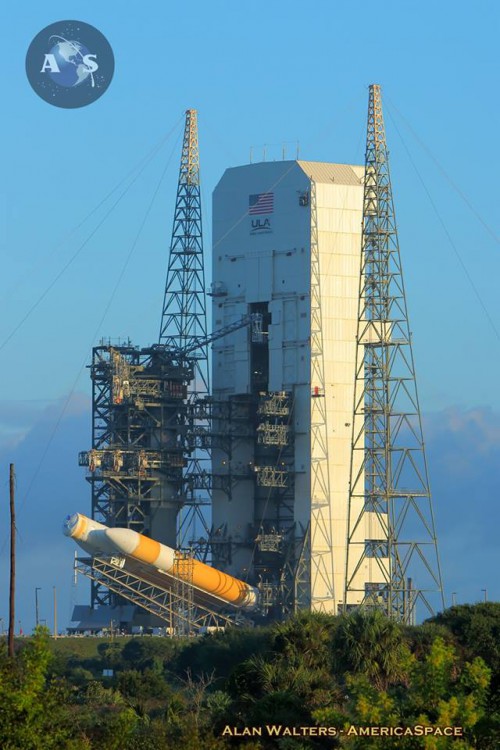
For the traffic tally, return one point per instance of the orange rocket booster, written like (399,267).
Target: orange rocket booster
(94,537)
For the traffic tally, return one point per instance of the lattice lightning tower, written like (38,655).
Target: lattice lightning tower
(392,556)
(184,321)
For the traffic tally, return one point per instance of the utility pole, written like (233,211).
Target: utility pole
(12,594)
(37,618)
(55,611)
(391,529)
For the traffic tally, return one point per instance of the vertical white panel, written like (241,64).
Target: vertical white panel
(259,276)
(289,366)
(290,319)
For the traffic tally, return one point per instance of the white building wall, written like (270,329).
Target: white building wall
(268,264)
(339,210)
(259,262)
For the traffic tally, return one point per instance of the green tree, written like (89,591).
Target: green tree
(444,692)
(148,653)
(440,691)
(367,642)
(144,685)
(421,637)
(477,627)
(110,655)
(305,638)
(218,653)
(33,714)
(278,690)
(190,714)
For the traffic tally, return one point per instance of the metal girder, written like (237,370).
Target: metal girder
(391,528)
(138,443)
(184,320)
(183,325)
(175,605)
(320,539)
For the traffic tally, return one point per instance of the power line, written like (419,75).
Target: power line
(54,281)
(96,332)
(457,189)
(448,235)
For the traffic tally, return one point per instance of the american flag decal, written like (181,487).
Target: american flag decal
(261,203)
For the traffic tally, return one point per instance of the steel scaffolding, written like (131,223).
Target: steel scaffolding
(184,319)
(184,611)
(391,525)
(321,562)
(135,465)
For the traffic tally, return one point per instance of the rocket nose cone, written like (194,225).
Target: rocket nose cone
(69,524)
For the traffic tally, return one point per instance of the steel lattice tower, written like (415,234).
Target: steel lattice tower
(184,319)
(392,544)
(184,324)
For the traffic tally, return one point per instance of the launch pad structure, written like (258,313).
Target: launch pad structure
(301,470)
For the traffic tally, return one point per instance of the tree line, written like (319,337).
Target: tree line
(314,681)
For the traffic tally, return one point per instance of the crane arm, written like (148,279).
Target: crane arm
(253,319)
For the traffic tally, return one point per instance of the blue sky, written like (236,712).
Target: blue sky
(262,73)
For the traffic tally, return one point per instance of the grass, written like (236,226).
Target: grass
(84,647)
